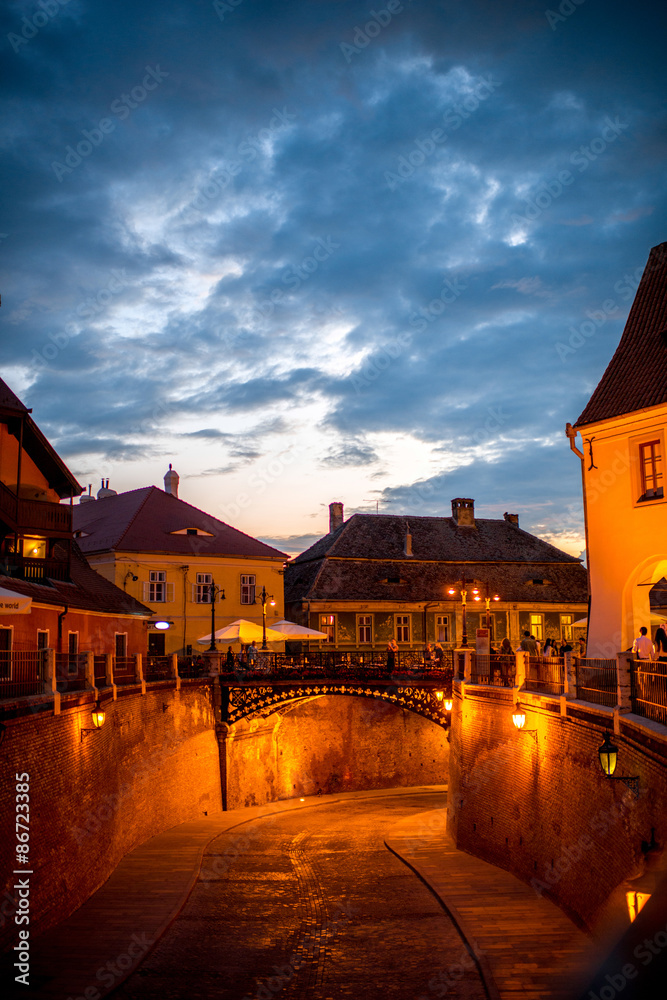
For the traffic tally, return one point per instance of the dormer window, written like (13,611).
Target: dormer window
(193,531)
(650,470)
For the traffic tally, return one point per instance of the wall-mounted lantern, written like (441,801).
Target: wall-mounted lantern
(439,695)
(98,716)
(448,704)
(608,754)
(519,720)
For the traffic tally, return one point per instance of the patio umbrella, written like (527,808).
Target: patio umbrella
(14,604)
(290,630)
(243,631)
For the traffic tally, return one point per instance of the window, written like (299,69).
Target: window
(121,644)
(247,590)
(73,651)
(537,626)
(364,628)
(328,625)
(157,587)
(650,470)
(202,588)
(5,653)
(442,628)
(34,548)
(42,639)
(402,628)
(566,628)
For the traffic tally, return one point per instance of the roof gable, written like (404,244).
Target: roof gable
(636,376)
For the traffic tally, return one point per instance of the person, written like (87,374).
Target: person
(661,644)
(529,644)
(229,660)
(549,648)
(582,648)
(439,654)
(252,654)
(392,650)
(428,654)
(642,647)
(505,647)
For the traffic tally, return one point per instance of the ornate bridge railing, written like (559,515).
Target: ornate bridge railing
(358,664)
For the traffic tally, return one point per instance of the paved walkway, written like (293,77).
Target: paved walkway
(523,943)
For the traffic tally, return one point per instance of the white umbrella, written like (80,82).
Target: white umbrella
(14,604)
(290,630)
(243,631)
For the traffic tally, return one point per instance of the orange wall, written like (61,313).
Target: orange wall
(96,632)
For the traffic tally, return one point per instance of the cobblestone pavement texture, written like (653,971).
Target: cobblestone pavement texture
(310,904)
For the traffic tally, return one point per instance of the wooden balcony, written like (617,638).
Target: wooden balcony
(53,519)
(35,570)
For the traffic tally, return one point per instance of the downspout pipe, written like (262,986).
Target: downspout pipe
(60,627)
(571,433)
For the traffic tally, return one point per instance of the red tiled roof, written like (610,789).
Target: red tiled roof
(143,521)
(636,376)
(88,591)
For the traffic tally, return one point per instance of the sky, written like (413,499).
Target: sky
(317,251)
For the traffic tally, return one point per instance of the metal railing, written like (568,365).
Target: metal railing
(648,689)
(70,671)
(334,664)
(545,674)
(596,681)
(493,668)
(157,668)
(100,669)
(124,670)
(22,673)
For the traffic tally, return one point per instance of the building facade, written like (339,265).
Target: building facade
(59,602)
(172,557)
(622,454)
(378,577)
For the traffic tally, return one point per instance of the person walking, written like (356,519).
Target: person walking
(642,647)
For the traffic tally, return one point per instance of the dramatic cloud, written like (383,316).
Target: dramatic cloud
(307,252)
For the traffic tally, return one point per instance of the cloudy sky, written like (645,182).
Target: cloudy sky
(315,251)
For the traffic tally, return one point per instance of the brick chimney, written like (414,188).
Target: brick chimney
(512,518)
(171,481)
(335,516)
(407,548)
(463,512)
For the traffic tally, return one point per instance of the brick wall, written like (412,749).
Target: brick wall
(544,810)
(332,744)
(154,764)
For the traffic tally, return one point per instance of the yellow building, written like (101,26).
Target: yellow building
(622,457)
(169,555)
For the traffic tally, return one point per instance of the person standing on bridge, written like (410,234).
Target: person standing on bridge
(392,650)
(642,647)
(661,644)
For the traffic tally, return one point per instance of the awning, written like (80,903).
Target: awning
(14,604)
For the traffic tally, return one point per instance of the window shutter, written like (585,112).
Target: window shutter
(146,589)
(170,592)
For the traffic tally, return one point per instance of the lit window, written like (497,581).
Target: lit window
(650,468)
(536,626)
(203,588)
(247,590)
(34,548)
(566,627)
(157,587)
(328,625)
(364,628)
(403,628)
(442,628)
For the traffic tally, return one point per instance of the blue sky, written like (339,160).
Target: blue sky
(327,250)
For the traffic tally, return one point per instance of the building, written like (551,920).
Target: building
(376,577)
(622,459)
(51,597)
(169,555)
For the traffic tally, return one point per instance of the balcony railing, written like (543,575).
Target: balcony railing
(545,674)
(157,668)
(35,570)
(493,668)
(70,671)
(36,515)
(22,673)
(648,689)
(124,670)
(597,681)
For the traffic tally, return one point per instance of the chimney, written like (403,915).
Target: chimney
(463,512)
(512,518)
(86,497)
(408,541)
(171,481)
(335,516)
(104,491)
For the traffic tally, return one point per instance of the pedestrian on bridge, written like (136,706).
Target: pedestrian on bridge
(392,650)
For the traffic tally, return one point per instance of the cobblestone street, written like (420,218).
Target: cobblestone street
(310,904)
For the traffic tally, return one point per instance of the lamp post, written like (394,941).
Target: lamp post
(464,596)
(487,601)
(214,592)
(264,598)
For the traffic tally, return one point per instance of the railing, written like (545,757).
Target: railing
(596,681)
(157,668)
(70,671)
(22,673)
(100,669)
(493,668)
(648,689)
(39,515)
(335,664)
(545,674)
(24,568)
(124,670)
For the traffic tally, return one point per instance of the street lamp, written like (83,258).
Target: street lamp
(464,596)
(214,592)
(264,598)
(608,754)
(487,600)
